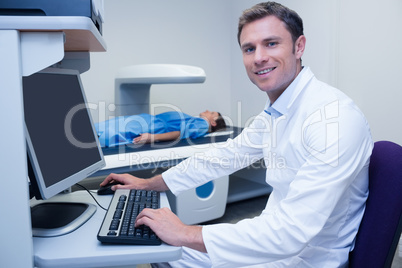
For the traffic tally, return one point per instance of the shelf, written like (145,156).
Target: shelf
(81,33)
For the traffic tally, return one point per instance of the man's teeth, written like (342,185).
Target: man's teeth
(265,71)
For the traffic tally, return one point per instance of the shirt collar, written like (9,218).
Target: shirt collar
(282,104)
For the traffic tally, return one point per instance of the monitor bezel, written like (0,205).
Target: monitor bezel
(46,192)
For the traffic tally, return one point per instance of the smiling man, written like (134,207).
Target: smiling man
(270,54)
(322,142)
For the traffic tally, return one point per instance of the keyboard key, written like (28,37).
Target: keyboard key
(117,214)
(114,225)
(120,205)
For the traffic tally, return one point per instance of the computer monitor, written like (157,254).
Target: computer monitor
(62,146)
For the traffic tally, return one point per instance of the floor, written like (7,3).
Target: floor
(251,208)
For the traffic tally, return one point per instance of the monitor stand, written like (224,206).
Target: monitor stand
(59,218)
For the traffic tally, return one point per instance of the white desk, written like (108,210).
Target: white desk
(82,249)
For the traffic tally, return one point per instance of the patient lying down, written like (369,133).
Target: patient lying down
(146,128)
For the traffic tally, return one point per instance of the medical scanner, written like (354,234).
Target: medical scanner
(133,84)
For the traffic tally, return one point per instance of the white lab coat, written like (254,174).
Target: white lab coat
(316,145)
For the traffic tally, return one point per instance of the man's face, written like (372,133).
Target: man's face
(271,58)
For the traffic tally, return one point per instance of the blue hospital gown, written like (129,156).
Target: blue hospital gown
(123,129)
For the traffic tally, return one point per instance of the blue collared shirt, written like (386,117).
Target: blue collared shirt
(280,106)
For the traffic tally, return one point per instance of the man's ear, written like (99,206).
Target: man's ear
(213,123)
(300,45)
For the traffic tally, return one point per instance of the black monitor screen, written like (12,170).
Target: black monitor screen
(62,144)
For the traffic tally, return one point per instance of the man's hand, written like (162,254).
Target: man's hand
(128,181)
(171,229)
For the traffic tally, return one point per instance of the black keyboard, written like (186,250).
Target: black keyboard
(118,225)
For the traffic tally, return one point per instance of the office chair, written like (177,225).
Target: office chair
(380,229)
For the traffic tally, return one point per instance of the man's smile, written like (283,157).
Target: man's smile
(265,71)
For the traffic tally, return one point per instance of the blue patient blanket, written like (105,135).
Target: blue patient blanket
(123,129)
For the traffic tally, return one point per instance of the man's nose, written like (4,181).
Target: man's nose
(260,56)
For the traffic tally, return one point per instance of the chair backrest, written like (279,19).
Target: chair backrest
(380,229)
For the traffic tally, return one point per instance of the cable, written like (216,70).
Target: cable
(83,187)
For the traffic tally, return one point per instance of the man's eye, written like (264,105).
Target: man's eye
(272,44)
(249,49)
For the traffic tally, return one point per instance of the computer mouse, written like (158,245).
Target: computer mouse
(107,189)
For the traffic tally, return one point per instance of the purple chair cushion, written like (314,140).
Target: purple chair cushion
(380,228)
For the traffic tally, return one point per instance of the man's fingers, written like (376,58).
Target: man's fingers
(121,186)
(107,180)
(146,212)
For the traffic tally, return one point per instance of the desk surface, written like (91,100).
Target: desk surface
(82,249)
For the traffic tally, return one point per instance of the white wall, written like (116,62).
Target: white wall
(370,57)
(352,45)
